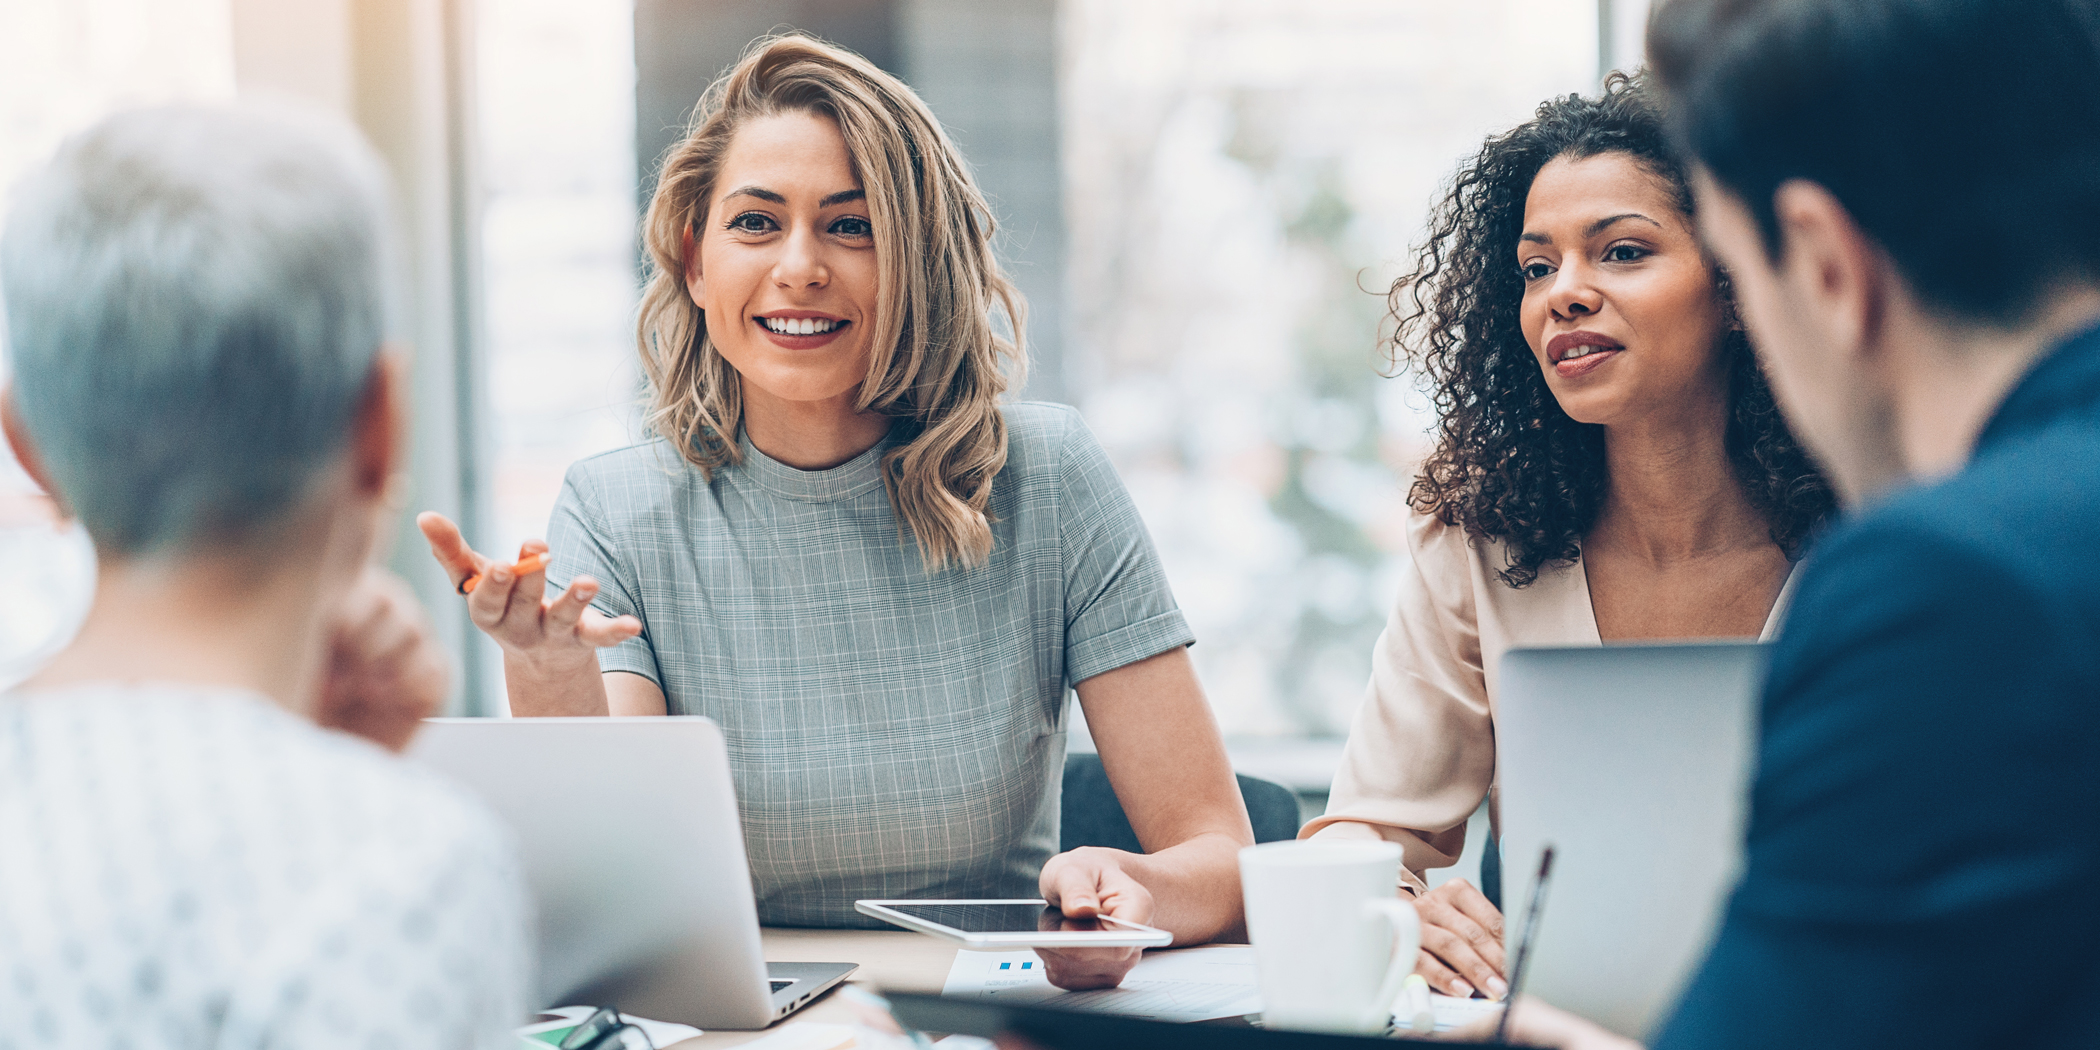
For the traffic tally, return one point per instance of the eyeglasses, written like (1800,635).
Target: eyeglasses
(603,1030)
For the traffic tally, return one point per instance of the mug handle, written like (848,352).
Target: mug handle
(1406,926)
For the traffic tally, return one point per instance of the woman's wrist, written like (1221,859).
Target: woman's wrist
(1187,881)
(560,683)
(549,662)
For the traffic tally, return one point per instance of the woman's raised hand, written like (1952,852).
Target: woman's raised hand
(513,608)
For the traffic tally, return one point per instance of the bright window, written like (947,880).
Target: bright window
(63,65)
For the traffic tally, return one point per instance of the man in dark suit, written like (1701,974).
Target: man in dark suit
(1906,194)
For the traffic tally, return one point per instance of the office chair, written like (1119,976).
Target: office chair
(1092,816)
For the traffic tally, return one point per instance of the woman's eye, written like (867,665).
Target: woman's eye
(1534,271)
(1625,253)
(853,226)
(752,222)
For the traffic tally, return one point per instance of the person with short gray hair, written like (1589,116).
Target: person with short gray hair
(209,841)
(238,266)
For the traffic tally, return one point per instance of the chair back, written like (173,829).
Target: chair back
(1092,816)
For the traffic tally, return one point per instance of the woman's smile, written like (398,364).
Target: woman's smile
(800,329)
(1580,353)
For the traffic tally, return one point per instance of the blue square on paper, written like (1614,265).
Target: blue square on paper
(1006,966)
(1026,965)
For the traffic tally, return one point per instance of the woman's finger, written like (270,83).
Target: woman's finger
(490,604)
(1472,961)
(449,547)
(1468,914)
(1467,898)
(567,609)
(1441,977)
(603,632)
(390,635)
(527,596)
(1073,889)
(1454,952)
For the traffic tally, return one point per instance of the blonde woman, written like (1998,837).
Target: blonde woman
(845,548)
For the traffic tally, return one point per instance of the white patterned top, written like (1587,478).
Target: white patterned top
(196,868)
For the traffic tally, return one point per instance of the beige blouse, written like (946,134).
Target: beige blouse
(1421,752)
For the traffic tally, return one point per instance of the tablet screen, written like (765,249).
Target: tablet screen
(999,918)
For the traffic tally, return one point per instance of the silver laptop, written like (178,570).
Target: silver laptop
(1634,762)
(635,855)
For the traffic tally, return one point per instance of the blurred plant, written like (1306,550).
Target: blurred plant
(1325,422)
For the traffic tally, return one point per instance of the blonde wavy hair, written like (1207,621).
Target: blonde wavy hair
(938,367)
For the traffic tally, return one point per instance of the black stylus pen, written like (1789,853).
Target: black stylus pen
(1531,932)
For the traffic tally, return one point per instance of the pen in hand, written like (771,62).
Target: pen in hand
(527,564)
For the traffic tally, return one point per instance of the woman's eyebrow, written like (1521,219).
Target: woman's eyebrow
(756,191)
(764,194)
(1598,227)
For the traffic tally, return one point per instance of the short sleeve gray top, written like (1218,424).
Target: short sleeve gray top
(892,733)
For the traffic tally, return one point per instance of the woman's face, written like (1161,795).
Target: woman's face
(785,264)
(1619,304)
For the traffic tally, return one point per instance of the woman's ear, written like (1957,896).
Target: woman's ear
(17,437)
(378,433)
(695,285)
(1724,290)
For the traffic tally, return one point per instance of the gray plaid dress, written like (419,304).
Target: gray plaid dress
(891,733)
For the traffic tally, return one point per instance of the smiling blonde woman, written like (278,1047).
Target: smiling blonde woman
(845,547)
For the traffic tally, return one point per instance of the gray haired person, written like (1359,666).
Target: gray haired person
(209,839)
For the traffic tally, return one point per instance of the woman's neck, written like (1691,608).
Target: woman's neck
(811,435)
(1673,494)
(207,620)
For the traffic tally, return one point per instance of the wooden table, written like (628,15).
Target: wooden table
(889,959)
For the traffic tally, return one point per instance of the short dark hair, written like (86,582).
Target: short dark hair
(1962,135)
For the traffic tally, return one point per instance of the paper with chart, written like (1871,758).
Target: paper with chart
(1180,984)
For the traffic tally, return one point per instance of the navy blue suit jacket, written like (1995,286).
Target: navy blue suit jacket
(1923,865)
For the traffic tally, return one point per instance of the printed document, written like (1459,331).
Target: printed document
(1178,984)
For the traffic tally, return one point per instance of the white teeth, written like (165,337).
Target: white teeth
(1583,351)
(798,326)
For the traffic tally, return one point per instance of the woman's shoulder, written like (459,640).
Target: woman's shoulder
(1040,429)
(642,475)
(645,463)
(1437,545)
(1048,441)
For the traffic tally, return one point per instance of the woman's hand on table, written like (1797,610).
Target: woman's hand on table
(1461,941)
(1082,884)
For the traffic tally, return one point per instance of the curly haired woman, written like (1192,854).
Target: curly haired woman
(848,549)
(1609,467)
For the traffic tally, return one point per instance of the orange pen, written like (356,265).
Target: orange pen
(529,564)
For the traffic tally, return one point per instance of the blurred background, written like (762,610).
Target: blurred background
(1202,199)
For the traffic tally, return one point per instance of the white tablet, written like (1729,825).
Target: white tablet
(987,925)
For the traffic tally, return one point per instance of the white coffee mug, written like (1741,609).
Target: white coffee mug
(1332,942)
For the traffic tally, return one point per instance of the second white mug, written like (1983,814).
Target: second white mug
(1332,942)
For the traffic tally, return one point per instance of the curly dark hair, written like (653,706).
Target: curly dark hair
(1509,464)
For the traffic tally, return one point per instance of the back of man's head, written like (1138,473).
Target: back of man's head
(1962,135)
(195,301)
